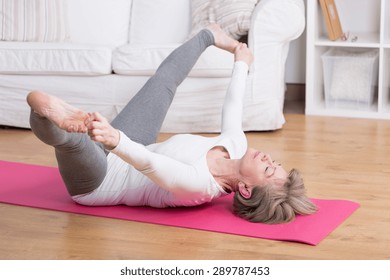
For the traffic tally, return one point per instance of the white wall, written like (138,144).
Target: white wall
(296,61)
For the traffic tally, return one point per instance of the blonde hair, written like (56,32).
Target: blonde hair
(274,205)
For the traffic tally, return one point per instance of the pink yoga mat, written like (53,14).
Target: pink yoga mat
(42,187)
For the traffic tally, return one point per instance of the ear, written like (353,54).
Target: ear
(244,190)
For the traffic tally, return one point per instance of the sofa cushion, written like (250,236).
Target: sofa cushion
(234,16)
(145,59)
(54,58)
(34,20)
(159,21)
(103,22)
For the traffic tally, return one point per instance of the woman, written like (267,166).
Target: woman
(124,164)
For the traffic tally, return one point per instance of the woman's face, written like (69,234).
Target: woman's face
(258,169)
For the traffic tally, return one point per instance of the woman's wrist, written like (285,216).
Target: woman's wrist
(114,140)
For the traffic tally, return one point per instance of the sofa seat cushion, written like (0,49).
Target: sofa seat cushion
(34,58)
(143,60)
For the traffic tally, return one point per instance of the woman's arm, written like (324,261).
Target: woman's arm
(233,104)
(167,173)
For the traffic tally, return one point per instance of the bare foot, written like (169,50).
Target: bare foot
(57,111)
(222,40)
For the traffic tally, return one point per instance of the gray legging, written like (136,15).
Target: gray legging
(81,162)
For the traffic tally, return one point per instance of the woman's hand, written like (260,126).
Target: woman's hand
(243,53)
(100,130)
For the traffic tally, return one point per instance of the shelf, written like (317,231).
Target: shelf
(347,113)
(363,40)
(385,100)
(369,21)
(386,22)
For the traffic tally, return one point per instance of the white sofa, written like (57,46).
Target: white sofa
(113,46)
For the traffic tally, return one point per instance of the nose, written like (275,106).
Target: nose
(267,158)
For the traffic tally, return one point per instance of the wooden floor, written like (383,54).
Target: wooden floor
(339,159)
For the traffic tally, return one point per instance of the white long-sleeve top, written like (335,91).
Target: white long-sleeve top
(174,172)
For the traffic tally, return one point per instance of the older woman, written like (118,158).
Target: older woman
(123,164)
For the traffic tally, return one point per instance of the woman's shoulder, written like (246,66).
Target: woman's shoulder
(235,143)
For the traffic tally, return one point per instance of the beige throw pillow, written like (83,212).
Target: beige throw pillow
(234,16)
(33,20)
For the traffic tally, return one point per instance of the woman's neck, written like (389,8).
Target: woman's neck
(224,172)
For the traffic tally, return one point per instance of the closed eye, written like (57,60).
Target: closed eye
(269,171)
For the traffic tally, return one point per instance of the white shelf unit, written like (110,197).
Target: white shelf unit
(369,20)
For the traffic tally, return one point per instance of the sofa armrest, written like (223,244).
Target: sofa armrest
(274,24)
(277,21)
